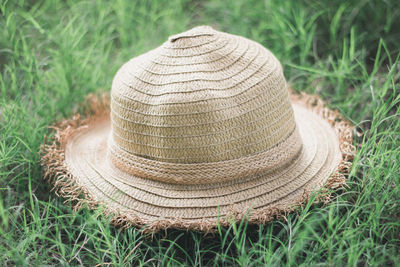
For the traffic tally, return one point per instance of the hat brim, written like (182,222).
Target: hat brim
(83,172)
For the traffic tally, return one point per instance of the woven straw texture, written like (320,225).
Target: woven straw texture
(200,129)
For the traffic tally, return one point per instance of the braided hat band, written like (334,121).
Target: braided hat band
(196,131)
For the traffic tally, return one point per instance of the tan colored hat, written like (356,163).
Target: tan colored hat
(201,130)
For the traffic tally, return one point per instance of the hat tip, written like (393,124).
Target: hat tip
(203,30)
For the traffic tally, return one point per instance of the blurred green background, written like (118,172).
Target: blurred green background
(53,53)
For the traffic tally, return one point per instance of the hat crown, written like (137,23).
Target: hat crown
(203,96)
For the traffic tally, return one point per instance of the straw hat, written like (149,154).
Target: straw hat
(201,130)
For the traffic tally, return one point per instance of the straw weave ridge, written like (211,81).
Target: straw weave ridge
(202,130)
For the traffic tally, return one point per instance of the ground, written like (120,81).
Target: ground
(53,53)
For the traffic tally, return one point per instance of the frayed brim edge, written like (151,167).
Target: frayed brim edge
(97,107)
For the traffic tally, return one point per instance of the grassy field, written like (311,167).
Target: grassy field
(53,53)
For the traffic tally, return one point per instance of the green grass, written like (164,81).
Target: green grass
(52,53)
